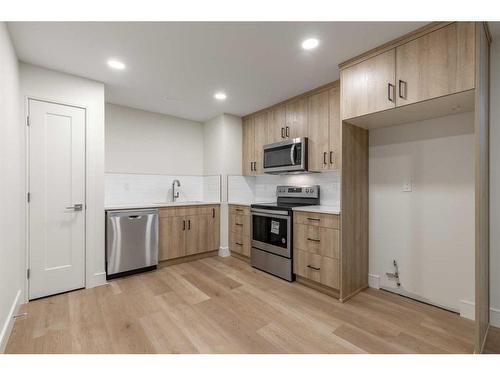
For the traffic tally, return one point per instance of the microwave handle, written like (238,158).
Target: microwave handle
(292,153)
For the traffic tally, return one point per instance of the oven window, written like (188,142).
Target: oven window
(270,230)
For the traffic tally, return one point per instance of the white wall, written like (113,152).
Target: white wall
(430,230)
(145,142)
(12,174)
(222,155)
(495,182)
(63,88)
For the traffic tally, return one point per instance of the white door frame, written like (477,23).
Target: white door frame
(27,185)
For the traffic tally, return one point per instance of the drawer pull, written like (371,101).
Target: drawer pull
(239,224)
(239,209)
(313,239)
(313,219)
(239,244)
(314,268)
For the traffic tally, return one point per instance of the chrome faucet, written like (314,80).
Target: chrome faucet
(175,194)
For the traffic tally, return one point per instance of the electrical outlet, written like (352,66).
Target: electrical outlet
(407,185)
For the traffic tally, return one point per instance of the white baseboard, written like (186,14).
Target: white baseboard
(374,281)
(224,251)
(9,322)
(467,309)
(97,279)
(495,317)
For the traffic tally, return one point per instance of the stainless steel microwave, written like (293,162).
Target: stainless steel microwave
(288,156)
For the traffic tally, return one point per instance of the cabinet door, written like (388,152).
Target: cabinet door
(209,238)
(318,131)
(277,124)
(195,228)
(296,118)
(439,63)
(248,147)
(368,86)
(261,139)
(335,153)
(172,237)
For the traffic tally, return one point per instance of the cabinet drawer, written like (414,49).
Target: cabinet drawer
(316,219)
(239,244)
(323,270)
(317,240)
(240,224)
(239,210)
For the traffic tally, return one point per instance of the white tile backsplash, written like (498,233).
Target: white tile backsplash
(263,188)
(151,188)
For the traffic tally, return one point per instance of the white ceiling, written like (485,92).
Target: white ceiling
(175,68)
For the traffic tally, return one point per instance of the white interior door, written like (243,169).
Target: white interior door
(57,188)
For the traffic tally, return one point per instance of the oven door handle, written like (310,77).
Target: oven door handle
(292,153)
(270,213)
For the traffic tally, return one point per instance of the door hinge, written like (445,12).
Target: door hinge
(28,273)
(28,197)
(27,121)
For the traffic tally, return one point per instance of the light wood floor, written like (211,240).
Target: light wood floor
(222,305)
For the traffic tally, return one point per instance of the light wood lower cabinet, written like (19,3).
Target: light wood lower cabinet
(317,268)
(188,230)
(239,230)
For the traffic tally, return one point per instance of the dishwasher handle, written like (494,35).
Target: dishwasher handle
(134,217)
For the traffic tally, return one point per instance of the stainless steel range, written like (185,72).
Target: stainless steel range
(272,227)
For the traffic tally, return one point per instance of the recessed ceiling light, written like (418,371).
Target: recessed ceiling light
(115,64)
(220,96)
(310,43)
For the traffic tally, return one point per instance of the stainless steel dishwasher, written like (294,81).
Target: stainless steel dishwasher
(131,241)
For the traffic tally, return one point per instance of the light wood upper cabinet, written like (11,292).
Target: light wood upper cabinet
(248,158)
(369,86)
(277,124)
(335,150)
(296,118)
(260,139)
(436,64)
(318,122)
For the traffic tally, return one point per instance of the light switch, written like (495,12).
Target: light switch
(407,185)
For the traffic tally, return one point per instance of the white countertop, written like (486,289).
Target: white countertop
(319,209)
(132,206)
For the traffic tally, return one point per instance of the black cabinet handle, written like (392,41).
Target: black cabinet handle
(239,224)
(239,209)
(390,92)
(400,84)
(287,132)
(213,212)
(314,268)
(313,239)
(183,224)
(282,132)
(324,157)
(239,244)
(313,219)
(189,224)
(331,157)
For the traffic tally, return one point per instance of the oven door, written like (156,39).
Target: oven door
(271,231)
(286,156)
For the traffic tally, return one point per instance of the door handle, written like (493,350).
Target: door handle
(324,157)
(390,90)
(76,207)
(213,212)
(292,154)
(287,131)
(282,132)
(183,224)
(313,239)
(189,224)
(331,157)
(400,84)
